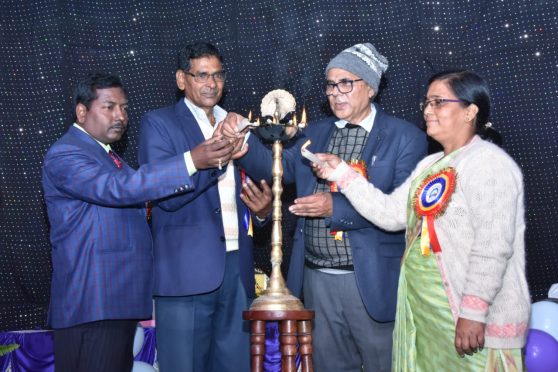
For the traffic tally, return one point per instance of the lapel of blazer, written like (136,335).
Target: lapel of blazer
(322,144)
(376,136)
(90,145)
(319,144)
(188,125)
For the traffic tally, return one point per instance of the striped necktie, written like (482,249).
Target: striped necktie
(115,159)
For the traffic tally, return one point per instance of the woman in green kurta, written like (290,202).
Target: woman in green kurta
(463,303)
(425,325)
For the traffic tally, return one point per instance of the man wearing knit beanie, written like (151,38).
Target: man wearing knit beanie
(347,267)
(364,61)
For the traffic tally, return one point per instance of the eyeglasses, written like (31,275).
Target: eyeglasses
(436,103)
(344,86)
(203,77)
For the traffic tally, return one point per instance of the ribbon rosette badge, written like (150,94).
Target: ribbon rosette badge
(431,199)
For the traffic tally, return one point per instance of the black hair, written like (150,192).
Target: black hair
(196,50)
(85,90)
(471,88)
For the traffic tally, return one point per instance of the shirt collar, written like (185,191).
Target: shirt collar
(200,115)
(367,123)
(106,147)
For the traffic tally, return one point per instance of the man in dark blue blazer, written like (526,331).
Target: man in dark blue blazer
(347,267)
(101,243)
(204,270)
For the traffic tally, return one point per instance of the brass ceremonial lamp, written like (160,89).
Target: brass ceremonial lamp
(279,125)
(276,302)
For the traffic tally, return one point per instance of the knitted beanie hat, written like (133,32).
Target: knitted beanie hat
(364,61)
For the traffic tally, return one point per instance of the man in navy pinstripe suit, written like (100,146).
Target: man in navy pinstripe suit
(101,242)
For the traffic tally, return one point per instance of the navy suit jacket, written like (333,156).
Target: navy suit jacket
(391,152)
(101,244)
(188,234)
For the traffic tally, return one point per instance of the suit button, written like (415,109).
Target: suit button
(222,238)
(217,210)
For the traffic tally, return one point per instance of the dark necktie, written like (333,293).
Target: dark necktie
(351,126)
(115,159)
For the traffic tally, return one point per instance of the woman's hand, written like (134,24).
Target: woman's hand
(469,336)
(325,170)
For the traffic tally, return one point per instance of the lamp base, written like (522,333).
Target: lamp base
(278,299)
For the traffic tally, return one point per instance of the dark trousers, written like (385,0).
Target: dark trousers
(345,337)
(205,332)
(105,345)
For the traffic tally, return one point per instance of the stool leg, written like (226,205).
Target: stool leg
(305,342)
(257,347)
(288,345)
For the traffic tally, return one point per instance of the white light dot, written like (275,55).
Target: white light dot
(436,28)
(131,52)
(21,129)
(507,25)
(525,36)
(538,54)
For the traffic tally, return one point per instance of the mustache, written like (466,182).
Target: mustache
(210,90)
(119,125)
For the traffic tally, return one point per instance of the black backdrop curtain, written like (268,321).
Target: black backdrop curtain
(46,45)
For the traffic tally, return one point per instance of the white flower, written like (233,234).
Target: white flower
(277,102)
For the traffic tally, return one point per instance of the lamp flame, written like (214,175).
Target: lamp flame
(303,118)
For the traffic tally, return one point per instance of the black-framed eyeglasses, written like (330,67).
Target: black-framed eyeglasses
(436,102)
(203,77)
(344,86)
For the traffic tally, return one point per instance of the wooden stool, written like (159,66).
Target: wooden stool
(293,325)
